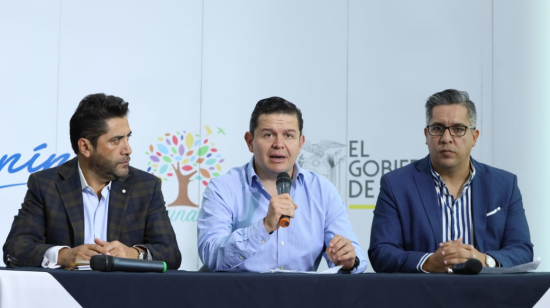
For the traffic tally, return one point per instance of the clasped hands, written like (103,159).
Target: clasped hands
(68,256)
(451,253)
(340,251)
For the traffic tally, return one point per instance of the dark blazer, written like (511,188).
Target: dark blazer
(52,214)
(407,222)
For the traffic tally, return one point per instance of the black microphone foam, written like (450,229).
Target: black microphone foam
(470,267)
(105,263)
(283,183)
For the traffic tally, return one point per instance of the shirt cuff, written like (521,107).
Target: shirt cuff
(50,257)
(421,263)
(257,235)
(246,242)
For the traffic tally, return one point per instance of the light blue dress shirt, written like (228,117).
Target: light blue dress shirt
(96,211)
(232,236)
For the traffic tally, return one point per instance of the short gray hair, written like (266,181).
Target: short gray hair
(451,97)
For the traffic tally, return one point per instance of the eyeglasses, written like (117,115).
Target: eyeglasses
(455,131)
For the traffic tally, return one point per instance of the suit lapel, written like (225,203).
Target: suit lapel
(426,190)
(70,190)
(480,204)
(118,202)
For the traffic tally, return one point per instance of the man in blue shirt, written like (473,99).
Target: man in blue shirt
(238,224)
(447,208)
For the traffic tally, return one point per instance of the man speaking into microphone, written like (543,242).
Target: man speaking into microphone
(270,213)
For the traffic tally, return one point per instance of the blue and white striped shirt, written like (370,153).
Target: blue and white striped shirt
(456,214)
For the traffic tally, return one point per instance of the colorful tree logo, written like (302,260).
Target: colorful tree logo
(183,155)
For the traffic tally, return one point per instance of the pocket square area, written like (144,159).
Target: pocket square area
(493,211)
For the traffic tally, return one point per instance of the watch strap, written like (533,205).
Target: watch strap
(355,264)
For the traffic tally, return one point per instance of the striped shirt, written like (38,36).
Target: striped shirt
(456,214)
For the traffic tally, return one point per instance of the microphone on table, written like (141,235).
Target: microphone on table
(105,263)
(470,267)
(283,187)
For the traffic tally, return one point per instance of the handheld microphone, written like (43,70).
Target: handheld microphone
(283,187)
(105,263)
(470,267)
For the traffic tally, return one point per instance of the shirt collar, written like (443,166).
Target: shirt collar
(439,181)
(83,182)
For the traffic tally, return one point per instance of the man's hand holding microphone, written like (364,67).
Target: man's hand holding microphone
(281,206)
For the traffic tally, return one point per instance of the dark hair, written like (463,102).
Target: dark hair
(89,118)
(451,97)
(274,105)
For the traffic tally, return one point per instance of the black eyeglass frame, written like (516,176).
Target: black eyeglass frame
(449,128)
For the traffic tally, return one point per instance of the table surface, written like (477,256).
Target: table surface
(202,289)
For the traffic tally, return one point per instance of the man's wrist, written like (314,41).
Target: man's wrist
(135,254)
(61,257)
(267,228)
(425,265)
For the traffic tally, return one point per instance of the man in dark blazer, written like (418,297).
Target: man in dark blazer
(447,208)
(95,203)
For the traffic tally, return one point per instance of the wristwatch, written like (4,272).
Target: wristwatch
(490,261)
(355,265)
(142,253)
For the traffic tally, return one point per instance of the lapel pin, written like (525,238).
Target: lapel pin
(124,191)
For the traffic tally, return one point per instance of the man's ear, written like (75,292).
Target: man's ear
(475,135)
(85,147)
(248,137)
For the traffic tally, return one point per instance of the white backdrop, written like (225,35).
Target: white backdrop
(359,70)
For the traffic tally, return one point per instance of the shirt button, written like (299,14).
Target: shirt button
(240,257)
(282,243)
(263,242)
